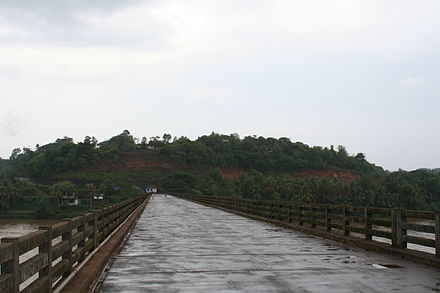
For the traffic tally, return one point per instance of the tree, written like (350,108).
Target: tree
(90,190)
(62,188)
(144,143)
(166,138)
(15,153)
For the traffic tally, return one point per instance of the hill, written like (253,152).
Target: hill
(250,167)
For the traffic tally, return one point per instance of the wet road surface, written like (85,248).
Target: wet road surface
(180,246)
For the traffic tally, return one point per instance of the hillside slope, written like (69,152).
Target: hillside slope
(227,165)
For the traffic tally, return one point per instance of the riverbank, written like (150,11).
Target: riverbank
(52,212)
(47,214)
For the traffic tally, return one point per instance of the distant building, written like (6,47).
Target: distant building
(70,200)
(98,196)
(116,188)
(150,189)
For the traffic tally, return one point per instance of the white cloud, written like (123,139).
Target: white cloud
(11,125)
(280,67)
(414,81)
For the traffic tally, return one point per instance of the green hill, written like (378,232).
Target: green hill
(250,167)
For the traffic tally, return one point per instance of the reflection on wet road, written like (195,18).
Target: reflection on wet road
(180,246)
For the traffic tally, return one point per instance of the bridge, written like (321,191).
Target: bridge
(183,244)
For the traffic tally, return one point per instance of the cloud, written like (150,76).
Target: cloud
(80,23)
(306,69)
(11,125)
(414,81)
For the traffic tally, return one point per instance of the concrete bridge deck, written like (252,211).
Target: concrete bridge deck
(180,246)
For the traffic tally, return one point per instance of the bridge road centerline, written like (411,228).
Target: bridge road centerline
(181,246)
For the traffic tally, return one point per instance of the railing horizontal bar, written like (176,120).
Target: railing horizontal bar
(419,228)
(39,285)
(59,228)
(31,241)
(425,215)
(419,240)
(59,249)
(32,266)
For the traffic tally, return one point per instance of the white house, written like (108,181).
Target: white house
(70,200)
(98,196)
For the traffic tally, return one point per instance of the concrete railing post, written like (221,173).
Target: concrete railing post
(397,231)
(312,215)
(345,221)
(301,222)
(437,233)
(11,267)
(328,219)
(47,248)
(367,225)
(68,237)
(82,242)
(95,229)
(107,221)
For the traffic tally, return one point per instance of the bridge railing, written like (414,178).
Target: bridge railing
(396,226)
(38,261)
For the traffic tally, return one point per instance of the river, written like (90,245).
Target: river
(20,227)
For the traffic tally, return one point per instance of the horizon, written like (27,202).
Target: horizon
(362,74)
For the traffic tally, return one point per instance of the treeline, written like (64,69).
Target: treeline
(28,179)
(65,155)
(267,165)
(31,199)
(5,165)
(412,190)
(266,155)
(262,154)
(12,192)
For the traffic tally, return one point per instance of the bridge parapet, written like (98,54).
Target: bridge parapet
(381,229)
(60,247)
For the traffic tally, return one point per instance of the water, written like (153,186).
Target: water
(20,227)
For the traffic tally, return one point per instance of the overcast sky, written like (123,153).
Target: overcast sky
(360,73)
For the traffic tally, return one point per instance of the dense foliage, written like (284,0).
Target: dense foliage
(262,154)
(5,165)
(413,190)
(267,170)
(64,155)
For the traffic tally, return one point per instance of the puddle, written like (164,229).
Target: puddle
(386,266)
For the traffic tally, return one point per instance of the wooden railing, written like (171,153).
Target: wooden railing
(398,226)
(53,251)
